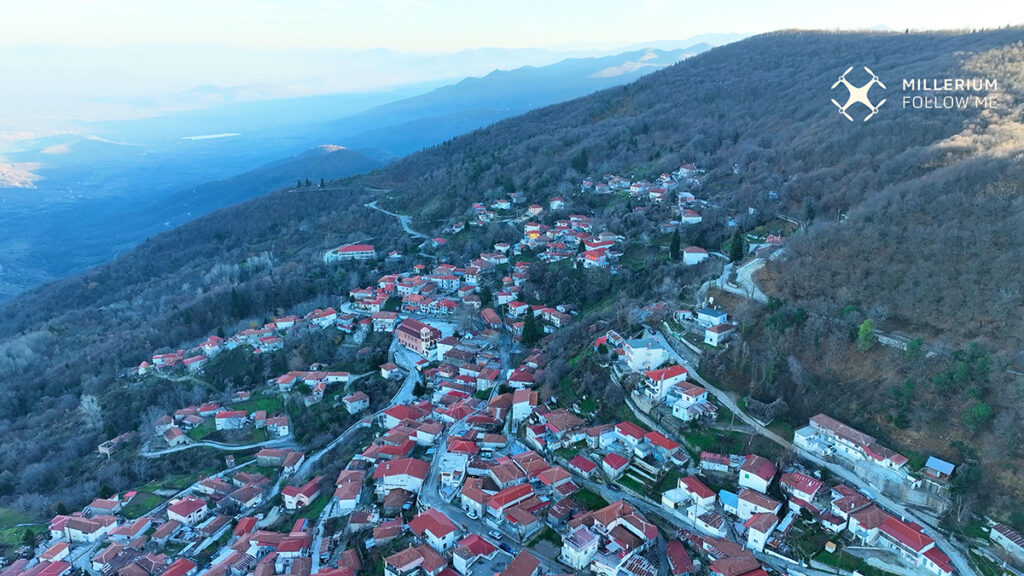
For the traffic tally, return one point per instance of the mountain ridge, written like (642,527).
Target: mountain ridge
(757,115)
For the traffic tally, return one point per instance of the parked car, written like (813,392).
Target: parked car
(508,548)
(472,515)
(494,534)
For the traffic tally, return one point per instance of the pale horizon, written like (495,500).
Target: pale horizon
(71,61)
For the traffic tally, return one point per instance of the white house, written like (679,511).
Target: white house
(715,335)
(657,383)
(405,473)
(759,528)
(1009,539)
(756,473)
(707,317)
(189,510)
(643,354)
(697,492)
(694,255)
(751,502)
(688,216)
(614,465)
(579,547)
(230,419)
(356,402)
(435,529)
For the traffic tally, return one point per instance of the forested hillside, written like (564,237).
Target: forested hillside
(912,219)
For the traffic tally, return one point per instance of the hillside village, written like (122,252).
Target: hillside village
(464,470)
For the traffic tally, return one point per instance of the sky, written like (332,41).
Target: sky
(64,60)
(451,25)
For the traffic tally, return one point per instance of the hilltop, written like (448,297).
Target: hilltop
(931,202)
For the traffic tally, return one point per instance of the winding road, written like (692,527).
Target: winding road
(403,220)
(286,441)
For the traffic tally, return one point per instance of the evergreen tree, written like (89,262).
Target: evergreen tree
(580,162)
(308,183)
(673,248)
(866,335)
(531,331)
(298,183)
(321,182)
(736,247)
(28,538)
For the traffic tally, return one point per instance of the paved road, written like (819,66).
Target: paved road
(286,441)
(403,220)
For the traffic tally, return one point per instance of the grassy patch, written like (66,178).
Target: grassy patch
(588,405)
(142,503)
(482,394)
(670,481)
(589,500)
(985,566)
(809,540)
(10,533)
(546,534)
(702,440)
(182,481)
(315,508)
(626,413)
(847,562)
(975,530)
(633,484)
(10,517)
(203,430)
(569,452)
(783,429)
(271,403)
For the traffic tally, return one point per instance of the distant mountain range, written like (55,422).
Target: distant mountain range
(137,178)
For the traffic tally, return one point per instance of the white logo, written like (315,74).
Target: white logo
(858,94)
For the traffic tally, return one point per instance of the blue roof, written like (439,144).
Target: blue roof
(939,465)
(710,312)
(728,499)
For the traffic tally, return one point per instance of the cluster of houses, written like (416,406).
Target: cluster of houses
(662,382)
(483,213)
(173,428)
(318,382)
(572,238)
(754,512)
(266,339)
(825,436)
(687,175)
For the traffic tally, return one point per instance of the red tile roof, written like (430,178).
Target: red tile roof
(678,560)
(661,441)
(582,463)
(411,466)
(433,521)
(801,482)
(905,533)
(666,373)
(759,466)
(615,461)
(630,429)
(694,485)
(762,522)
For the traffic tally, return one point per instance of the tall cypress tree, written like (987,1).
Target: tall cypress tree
(736,247)
(673,248)
(531,331)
